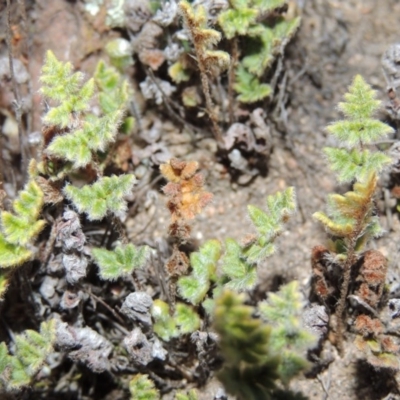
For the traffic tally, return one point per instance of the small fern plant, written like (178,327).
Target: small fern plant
(204,38)
(260,357)
(238,262)
(76,138)
(351,218)
(84,133)
(19,229)
(29,354)
(264,40)
(283,312)
(142,388)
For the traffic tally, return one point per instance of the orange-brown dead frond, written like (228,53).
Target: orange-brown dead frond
(178,263)
(186,194)
(388,344)
(374,268)
(368,326)
(368,295)
(176,170)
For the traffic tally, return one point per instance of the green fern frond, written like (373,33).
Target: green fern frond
(360,128)
(12,255)
(235,21)
(360,101)
(269,224)
(191,395)
(244,339)
(266,6)
(114,91)
(19,229)
(105,195)
(351,165)
(354,132)
(95,135)
(119,262)
(86,134)
(31,351)
(142,388)
(59,81)
(244,343)
(249,87)
(261,56)
(186,319)
(267,43)
(288,338)
(164,325)
(194,287)
(241,274)
(22,227)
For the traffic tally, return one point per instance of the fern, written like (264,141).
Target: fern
(164,326)
(241,274)
(237,19)
(104,196)
(353,161)
(183,321)
(249,87)
(191,395)
(269,224)
(266,44)
(119,262)
(208,60)
(86,134)
(186,319)
(142,388)
(195,286)
(21,227)
(31,350)
(351,217)
(283,311)
(266,6)
(244,343)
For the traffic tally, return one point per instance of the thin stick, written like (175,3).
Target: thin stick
(231,78)
(102,302)
(17,104)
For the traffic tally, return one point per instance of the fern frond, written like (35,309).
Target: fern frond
(191,395)
(105,195)
(236,21)
(119,262)
(31,350)
(249,87)
(242,274)
(186,319)
(288,338)
(269,224)
(359,106)
(164,326)
(194,287)
(142,388)
(351,165)
(266,6)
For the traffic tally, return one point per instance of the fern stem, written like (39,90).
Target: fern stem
(209,104)
(350,260)
(343,296)
(231,76)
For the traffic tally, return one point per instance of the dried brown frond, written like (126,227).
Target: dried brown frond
(186,194)
(368,326)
